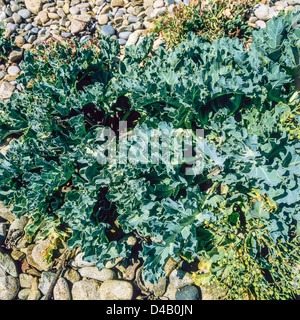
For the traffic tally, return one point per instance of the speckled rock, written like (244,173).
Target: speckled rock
(86,290)
(39,254)
(8,264)
(9,287)
(61,290)
(116,290)
(94,273)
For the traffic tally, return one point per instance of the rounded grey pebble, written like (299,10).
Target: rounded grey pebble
(187,293)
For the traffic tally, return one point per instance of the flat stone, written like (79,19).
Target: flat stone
(33,6)
(9,287)
(39,254)
(76,26)
(125,34)
(122,41)
(116,290)
(17,18)
(24,294)
(6,90)
(103,19)
(94,273)
(66,34)
(61,290)
(17,255)
(43,16)
(261,24)
(53,15)
(117,3)
(86,290)
(46,280)
(148,3)
(24,13)
(25,280)
(133,38)
(11,28)
(74,10)
(83,17)
(107,30)
(15,55)
(19,41)
(13,70)
(72,275)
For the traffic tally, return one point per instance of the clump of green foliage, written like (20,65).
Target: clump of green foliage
(210,19)
(5,44)
(241,214)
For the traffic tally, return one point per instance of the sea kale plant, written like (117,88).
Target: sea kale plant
(212,19)
(238,216)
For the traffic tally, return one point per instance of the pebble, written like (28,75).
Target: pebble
(6,90)
(13,70)
(24,294)
(74,10)
(15,55)
(94,273)
(10,28)
(34,6)
(7,264)
(260,23)
(46,279)
(103,19)
(86,290)
(187,293)
(24,13)
(25,280)
(17,18)
(107,30)
(9,287)
(72,275)
(61,290)
(125,34)
(133,38)
(116,290)
(39,252)
(77,26)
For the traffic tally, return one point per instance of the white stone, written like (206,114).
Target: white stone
(94,273)
(262,12)
(13,70)
(86,290)
(133,38)
(261,24)
(116,290)
(9,287)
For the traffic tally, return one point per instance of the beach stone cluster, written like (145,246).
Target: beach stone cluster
(266,10)
(30,21)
